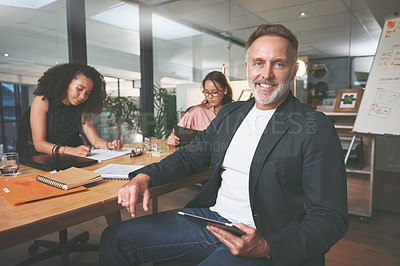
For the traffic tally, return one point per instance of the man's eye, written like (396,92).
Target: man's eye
(258,63)
(279,64)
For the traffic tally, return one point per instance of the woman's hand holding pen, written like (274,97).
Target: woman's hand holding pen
(114,145)
(81,151)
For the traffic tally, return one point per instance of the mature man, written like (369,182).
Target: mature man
(276,172)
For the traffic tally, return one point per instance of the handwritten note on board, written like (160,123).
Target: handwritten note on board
(379,112)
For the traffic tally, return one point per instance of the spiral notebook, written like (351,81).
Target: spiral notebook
(69,178)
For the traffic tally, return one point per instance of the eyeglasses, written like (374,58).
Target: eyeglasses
(213,93)
(136,152)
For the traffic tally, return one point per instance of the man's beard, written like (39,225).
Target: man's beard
(267,97)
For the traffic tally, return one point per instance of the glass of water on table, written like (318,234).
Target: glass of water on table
(9,164)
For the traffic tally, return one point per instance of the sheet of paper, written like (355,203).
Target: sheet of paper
(117,171)
(101,155)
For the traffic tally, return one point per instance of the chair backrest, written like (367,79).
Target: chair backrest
(23,131)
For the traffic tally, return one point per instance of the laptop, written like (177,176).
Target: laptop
(49,162)
(185,135)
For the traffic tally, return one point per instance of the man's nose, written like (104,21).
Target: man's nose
(266,72)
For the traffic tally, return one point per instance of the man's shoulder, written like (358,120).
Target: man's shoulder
(306,112)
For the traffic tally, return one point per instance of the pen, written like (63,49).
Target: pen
(84,141)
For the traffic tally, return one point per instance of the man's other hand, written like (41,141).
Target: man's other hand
(129,193)
(252,244)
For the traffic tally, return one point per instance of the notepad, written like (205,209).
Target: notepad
(117,171)
(69,178)
(102,154)
(23,189)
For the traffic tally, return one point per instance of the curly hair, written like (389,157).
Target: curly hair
(53,85)
(219,77)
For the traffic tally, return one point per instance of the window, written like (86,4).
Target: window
(12,105)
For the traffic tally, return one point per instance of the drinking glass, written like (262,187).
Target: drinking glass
(147,144)
(9,164)
(153,143)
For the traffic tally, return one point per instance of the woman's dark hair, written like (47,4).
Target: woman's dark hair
(219,77)
(53,85)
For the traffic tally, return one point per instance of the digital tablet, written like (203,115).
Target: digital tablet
(206,221)
(185,135)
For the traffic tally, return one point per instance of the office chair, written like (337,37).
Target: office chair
(64,246)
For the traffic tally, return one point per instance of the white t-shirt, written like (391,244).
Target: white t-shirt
(233,202)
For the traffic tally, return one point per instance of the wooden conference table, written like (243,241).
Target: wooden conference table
(26,222)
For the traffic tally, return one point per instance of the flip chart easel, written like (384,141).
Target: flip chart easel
(379,111)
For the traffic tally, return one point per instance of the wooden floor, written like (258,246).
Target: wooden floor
(367,243)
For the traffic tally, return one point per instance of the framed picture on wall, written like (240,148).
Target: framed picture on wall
(348,100)
(245,95)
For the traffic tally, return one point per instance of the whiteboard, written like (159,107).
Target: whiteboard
(379,111)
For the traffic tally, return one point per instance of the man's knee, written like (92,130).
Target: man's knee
(108,236)
(111,251)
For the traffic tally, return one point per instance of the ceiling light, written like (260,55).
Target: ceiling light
(5,55)
(303,14)
(125,16)
(26,3)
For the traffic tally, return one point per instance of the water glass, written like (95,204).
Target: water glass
(147,144)
(9,164)
(153,143)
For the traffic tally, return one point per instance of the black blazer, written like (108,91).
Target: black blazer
(297,182)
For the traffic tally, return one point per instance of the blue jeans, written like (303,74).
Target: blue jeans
(167,236)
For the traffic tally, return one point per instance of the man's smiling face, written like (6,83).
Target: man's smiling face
(270,66)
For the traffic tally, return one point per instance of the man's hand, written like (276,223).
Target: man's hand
(252,244)
(129,193)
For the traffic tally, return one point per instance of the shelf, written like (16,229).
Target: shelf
(365,170)
(330,113)
(344,126)
(359,180)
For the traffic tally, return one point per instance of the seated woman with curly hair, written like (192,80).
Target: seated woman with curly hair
(64,96)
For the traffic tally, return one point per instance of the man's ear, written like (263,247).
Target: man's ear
(296,67)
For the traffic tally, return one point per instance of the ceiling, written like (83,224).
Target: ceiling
(329,28)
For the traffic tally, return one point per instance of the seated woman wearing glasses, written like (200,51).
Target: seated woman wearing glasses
(217,92)
(58,119)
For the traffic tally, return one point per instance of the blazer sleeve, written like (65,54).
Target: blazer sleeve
(193,158)
(325,201)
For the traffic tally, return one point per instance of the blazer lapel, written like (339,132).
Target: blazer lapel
(228,129)
(274,131)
